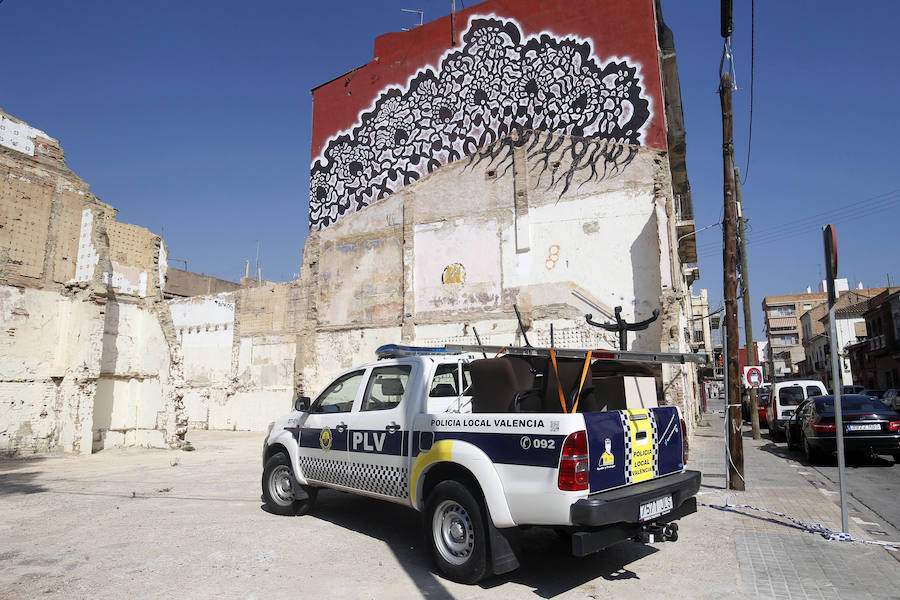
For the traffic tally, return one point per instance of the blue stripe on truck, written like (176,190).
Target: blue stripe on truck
(512,448)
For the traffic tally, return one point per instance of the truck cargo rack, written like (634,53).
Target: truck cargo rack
(625,355)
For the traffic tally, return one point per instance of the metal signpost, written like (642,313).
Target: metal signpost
(830,273)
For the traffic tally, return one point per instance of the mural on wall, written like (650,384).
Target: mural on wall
(497,83)
(600,157)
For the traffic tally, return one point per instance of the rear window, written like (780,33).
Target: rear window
(446,380)
(849,404)
(790,396)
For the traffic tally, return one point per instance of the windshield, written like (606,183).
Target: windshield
(790,396)
(848,404)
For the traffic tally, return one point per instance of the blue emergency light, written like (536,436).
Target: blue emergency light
(398,351)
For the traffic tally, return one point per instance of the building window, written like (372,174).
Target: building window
(782,311)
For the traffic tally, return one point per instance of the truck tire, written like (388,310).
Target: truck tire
(277,488)
(456,532)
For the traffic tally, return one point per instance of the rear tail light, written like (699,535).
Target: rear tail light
(574,464)
(684,444)
(894,426)
(824,427)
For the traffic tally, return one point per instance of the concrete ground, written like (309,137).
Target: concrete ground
(160,524)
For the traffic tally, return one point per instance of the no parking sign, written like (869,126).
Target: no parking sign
(753,377)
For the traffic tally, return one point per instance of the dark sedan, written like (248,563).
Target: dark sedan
(869,426)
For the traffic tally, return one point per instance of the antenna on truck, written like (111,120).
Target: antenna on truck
(521,326)
(478,339)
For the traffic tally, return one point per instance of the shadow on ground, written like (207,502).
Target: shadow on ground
(546,564)
(20,482)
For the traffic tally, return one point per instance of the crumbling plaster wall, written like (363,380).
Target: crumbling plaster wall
(558,225)
(50,346)
(82,364)
(239,352)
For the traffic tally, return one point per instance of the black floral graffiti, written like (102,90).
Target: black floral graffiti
(496,85)
(546,153)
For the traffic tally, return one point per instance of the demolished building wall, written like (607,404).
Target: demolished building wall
(85,357)
(518,154)
(239,352)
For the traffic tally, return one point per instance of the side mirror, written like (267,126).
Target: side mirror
(301,404)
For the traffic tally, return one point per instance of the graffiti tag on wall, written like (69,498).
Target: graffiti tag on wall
(498,82)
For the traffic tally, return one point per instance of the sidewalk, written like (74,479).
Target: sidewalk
(777,558)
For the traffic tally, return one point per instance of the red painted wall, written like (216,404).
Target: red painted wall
(618,28)
(742,354)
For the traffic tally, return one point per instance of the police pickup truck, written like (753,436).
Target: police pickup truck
(567,439)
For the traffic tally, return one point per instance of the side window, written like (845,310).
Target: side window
(446,380)
(813,390)
(386,387)
(338,397)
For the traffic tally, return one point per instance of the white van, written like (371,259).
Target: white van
(785,397)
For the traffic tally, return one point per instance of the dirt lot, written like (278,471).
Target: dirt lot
(161,524)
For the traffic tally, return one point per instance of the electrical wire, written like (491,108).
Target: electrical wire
(809,229)
(752,72)
(865,206)
(810,223)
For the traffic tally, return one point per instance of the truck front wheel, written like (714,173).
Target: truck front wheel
(456,532)
(278,488)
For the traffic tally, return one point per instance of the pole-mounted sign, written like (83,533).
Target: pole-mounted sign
(831,262)
(753,376)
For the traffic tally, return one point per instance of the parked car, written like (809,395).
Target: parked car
(786,397)
(762,403)
(745,402)
(792,429)
(873,393)
(869,426)
(891,398)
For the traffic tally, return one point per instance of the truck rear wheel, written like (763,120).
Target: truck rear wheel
(456,532)
(278,488)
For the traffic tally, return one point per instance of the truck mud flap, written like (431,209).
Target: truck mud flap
(503,559)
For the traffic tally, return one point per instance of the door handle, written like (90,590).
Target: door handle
(341,427)
(392,428)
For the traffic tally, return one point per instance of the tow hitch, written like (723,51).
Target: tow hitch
(649,534)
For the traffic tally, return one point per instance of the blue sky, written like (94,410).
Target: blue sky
(193,119)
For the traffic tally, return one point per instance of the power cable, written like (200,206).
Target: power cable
(865,206)
(752,72)
(853,210)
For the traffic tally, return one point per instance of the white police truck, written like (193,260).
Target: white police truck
(568,439)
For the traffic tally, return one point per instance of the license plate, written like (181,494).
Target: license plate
(654,508)
(864,427)
(787,413)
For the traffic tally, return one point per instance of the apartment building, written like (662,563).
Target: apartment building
(784,332)
(849,310)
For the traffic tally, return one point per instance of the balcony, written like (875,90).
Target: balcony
(877,344)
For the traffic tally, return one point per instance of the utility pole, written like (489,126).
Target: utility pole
(745,302)
(735,460)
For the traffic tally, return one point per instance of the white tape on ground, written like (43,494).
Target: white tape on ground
(815,528)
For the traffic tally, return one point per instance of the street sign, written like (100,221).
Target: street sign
(753,376)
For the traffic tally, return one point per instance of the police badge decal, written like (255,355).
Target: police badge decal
(325,438)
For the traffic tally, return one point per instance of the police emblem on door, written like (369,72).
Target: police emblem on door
(325,438)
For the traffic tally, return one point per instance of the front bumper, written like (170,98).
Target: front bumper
(623,505)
